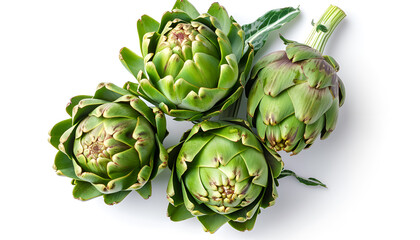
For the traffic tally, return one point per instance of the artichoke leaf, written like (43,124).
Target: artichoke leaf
(319,73)
(237,39)
(203,100)
(342,92)
(74,101)
(178,212)
(270,194)
(123,163)
(212,222)
(85,191)
(331,116)
(115,198)
(174,191)
(146,24)
(228,72)
(297,52)
(145,191)
(310,103)
(132,62)
(192,205)
(275,109)
(58,130)
(64,166)
(187,7)
(257,166)
(175,14)
(220,13)
(243,226)
(193,183)
(109,92)
(257,32)
(147,88)
(184,114)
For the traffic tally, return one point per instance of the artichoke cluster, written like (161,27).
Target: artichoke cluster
(193,67)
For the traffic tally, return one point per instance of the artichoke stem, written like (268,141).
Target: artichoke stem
(325,26)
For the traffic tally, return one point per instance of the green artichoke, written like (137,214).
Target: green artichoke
(295,94)
(111,145)
(194,66)
(221,173)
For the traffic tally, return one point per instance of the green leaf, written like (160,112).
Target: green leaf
(187,7)
(257,32)
(218,11)
(132,62)
(242,226)
(74,101)
(132,87)
(85,191)
(146,24)
(58,130)
(115,198)
(309,181)
(64,166)
(178,213)
(146,190)
(212,222)
(109,92)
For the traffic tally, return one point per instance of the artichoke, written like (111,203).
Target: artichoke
(221,173)
(111,145)
(294,95)
(194,66)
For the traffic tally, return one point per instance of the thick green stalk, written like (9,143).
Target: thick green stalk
(323,29)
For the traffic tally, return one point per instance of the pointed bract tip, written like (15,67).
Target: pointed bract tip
(285,41)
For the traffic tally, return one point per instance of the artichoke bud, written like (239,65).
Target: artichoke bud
(192,64)
(294,97)
(228,173)
(111,144)
(222,172)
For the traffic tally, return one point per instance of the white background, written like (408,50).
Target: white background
(53,50)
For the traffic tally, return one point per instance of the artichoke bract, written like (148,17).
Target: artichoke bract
(294,95)
(221,173)
(111,145)
(194,66)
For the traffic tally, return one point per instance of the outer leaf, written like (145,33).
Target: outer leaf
(74,101)
(187,7)
(222,16)
(212,222)
(85,191)
(242,226)
(257,32)
(132,62)
(178,213)
(115,198)
(146,190)
(58,130)
(64,166)
(146,24)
